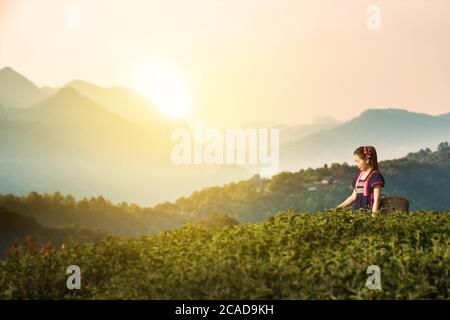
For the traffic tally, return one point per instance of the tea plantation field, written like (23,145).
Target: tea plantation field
(292,255)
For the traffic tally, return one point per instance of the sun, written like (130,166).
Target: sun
(164,85)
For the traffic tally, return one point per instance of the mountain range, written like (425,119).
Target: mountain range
(394,132)
(16,91)
(87,140)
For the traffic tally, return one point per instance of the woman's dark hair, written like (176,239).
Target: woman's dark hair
(370,153)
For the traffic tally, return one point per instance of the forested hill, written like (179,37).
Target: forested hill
(15,227)
(422,177)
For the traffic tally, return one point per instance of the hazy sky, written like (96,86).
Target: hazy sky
(243,60)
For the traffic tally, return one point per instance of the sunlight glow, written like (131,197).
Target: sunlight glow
(163,84)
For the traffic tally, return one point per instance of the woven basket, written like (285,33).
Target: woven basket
(390,204)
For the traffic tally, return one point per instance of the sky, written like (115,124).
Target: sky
(241,61)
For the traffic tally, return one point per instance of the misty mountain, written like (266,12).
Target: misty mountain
(393,132)
(88,144)
(79,127)
(445,115)
(325,120)
(16,91)
(71,143)
(65,106)
(120,100)
(289,133)
(294,133)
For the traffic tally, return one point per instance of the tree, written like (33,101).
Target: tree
(217,219)
(443,146)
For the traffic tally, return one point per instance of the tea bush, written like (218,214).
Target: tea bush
(292,255)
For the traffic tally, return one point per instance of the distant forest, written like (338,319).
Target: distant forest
(421,177)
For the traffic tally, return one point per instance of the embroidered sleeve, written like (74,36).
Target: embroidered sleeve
(376,179)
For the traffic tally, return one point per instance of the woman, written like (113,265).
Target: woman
(367,183)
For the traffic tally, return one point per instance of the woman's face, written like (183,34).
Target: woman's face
(361,163)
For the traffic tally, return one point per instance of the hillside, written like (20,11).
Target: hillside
(119,100)
(81,128)
(421,177)
(422,180)
(71,143)
(98,213)
(15,227)
(16,91)
(296,132)
(290,256)
(394,132)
